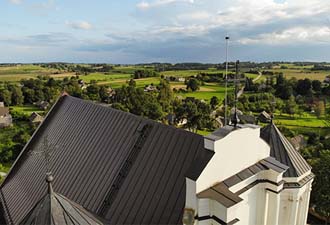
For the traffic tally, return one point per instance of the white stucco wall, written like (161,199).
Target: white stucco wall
(233,153)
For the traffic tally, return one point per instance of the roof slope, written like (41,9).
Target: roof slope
(118,166)
(55,209)
(283,151)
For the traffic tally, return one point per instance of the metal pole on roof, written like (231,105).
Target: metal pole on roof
(226,80)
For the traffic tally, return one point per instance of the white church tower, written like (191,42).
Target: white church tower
(255,177)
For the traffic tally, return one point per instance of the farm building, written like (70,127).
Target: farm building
(112,167)
(43,105)
(35,118)
(264,117)
(5,117)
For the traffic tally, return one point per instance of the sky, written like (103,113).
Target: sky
(144,31)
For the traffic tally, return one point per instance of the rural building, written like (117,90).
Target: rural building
(264,117)
(244,119)
(43,105)
(5,117)
(118,168)
(150,88)
(35,118)
(327,79)
(298,142)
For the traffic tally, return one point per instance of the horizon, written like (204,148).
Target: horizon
(143,31)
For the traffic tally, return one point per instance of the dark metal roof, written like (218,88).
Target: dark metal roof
(283,151)
(221,193)
(121,167)
(301,183)
(224,131)
(55,209)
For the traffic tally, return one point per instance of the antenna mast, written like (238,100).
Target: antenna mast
(226,80)
(235,118)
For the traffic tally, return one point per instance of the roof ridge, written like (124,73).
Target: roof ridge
(283,151)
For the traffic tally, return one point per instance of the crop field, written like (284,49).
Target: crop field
(19,72)
(300,72)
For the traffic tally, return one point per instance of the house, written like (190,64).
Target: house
(35,118)
(43,105)
(6,119)
(264,117)
(247,119)
(298,142)
(150,88)
(119,168)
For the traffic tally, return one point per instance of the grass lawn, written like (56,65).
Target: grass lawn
(304,124)
(187,73)
(203,132)
(27,109)
(104,78)
(207,91)
(301,121)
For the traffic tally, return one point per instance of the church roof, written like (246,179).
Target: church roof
(54,209)
(283,151)
(121,167)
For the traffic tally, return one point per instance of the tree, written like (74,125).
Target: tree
(321,187)
(193,84)
(317,86)
(291,106)
(17,97)
(214,102)
(93,92)
(165,95)
(283,89)
(5,96)
(304,87)
(319,109)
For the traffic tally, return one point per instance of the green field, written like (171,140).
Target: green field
(17,73)
(302,121)
(187,73)
(207,91)
(27,109)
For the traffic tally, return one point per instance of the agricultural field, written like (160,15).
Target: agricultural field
(207,91)
(187,73)
(300,72)
(19,72)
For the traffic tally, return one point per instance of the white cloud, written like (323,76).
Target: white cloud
(292,36)
(192,30)
(147,5)
(81,25)
(16,2)
(198,15)
(258,12)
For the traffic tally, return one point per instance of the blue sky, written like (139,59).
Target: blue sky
(137,31)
